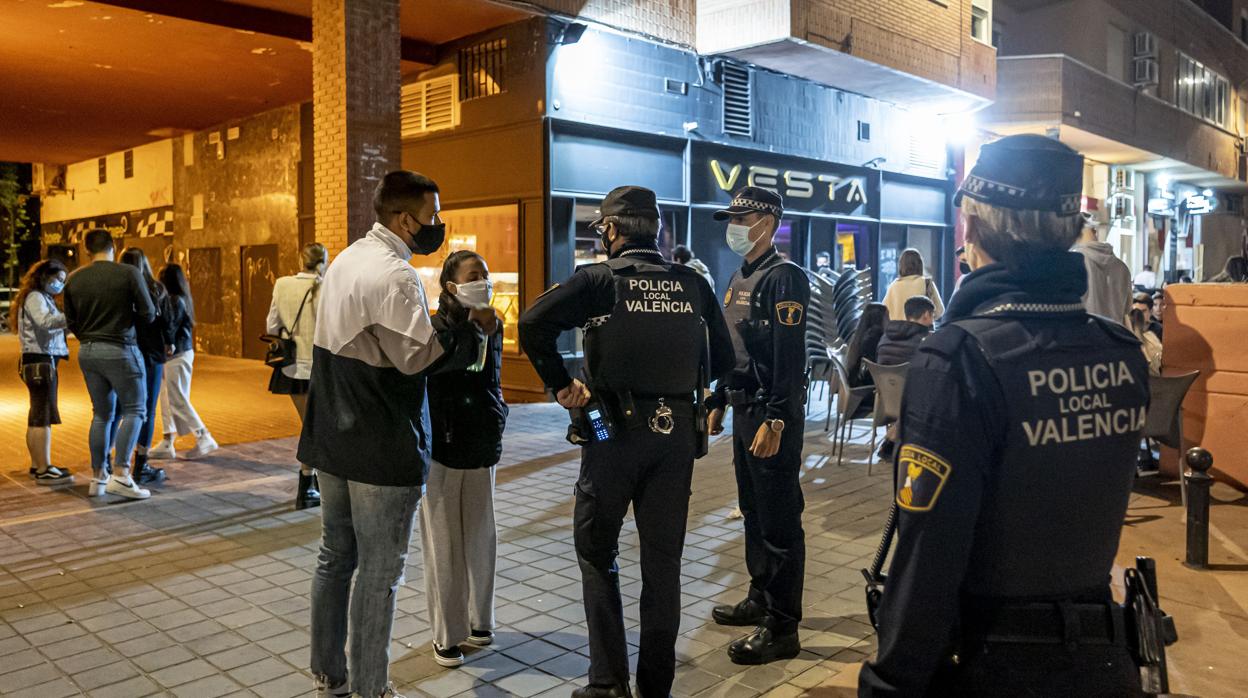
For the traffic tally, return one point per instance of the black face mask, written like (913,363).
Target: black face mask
(964,267)
(427,238)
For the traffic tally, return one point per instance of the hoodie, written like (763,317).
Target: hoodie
(1109,281)
(901,339)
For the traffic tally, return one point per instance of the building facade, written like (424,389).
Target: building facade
(1152,93)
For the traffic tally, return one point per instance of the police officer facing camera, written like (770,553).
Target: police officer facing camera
(640,421)
(765,308)
(1020,423)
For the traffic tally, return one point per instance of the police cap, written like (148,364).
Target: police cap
(752,200)
(1027,172)
(628,200)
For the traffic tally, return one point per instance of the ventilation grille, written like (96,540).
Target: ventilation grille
(926,153)
(738,114)
(483,70)
(429,105)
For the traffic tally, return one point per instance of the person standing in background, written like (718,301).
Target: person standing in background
(468,415)
(292,314)
(180,417)
(911,281)
(155,341)
(40,327)
(1146,280)
(1109,279)
(103,301)
(684,255)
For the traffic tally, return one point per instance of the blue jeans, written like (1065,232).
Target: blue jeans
(154,373)
(369,527)
(115,381)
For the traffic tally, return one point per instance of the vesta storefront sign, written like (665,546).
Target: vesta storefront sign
(806,185)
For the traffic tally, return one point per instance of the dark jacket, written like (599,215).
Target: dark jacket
(901,339)
(854,364)
(466,408)
(104,301)
(154,336)
(180,324)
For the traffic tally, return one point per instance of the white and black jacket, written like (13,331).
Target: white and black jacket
(367,417)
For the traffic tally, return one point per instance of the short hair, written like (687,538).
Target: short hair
(1011,236)
(1144,298)
(823,253)
(313,255)
(1148,267)
(917,306)
(400,191)
(635,227)
(98,240)
(910,263)
(682,254)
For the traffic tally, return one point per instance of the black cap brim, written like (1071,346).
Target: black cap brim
(725,214)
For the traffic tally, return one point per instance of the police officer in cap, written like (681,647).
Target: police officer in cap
(1020,423)
(765,308)
(646,323)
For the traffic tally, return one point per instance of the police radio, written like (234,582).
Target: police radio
(600,426)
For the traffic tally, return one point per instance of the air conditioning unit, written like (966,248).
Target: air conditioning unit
(1144,72)
(1145,45)
(429,105)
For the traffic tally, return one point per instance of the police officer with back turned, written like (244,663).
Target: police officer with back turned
(765,308)
(640,420)
(1020,423)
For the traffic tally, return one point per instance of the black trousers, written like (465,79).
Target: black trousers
(770,495)
(1041,670)
(653,472)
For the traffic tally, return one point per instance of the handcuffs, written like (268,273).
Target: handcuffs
(662,421)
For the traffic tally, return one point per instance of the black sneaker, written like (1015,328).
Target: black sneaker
(147,475)
(53,476)
(480,638)
(451,656)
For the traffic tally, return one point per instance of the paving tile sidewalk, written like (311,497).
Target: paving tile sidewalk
(203,590)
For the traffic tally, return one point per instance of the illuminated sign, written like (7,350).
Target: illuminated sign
(1200,204)
(808,186)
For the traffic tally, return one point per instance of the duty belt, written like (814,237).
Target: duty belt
(739,398)
(1061,622)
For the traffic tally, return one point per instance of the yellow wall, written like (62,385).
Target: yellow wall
(150,187)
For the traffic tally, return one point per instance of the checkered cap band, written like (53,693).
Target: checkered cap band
(760,206)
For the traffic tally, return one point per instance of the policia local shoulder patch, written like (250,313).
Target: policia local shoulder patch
(925,474)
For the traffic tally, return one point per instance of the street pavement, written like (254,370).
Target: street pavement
(203,589)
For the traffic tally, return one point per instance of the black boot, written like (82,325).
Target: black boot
(308,495)
(602,692)
(748,612)
(145,474)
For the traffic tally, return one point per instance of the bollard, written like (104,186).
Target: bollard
(1198,484)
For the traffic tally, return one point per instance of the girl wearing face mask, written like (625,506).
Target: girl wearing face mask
(468,414)
(41,327)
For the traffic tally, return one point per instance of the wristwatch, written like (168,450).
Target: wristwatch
(776,425)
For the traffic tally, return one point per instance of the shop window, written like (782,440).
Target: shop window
(483,70)
(494,233)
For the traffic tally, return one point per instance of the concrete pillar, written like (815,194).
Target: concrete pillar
(355,111)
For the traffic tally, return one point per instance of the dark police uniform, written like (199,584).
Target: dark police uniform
(1020,423)
(765,307)
(646,324)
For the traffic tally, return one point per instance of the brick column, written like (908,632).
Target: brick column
(355,111)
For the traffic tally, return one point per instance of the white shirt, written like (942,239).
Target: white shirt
(289,293)
(903,288)
(373,306)
(1147,279)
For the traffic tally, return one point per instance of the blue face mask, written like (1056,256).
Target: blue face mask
(54,287)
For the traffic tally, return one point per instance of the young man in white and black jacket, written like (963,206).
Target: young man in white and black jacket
(367,428)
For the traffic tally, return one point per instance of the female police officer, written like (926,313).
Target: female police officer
(1020,423)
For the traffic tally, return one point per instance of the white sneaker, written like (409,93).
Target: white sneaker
(96,487)
(126,488)
(162,451)
(324,690)
(204,445)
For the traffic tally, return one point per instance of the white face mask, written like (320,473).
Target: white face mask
(475,294)
(739,238)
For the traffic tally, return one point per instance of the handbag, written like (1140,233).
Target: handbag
(281,352)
